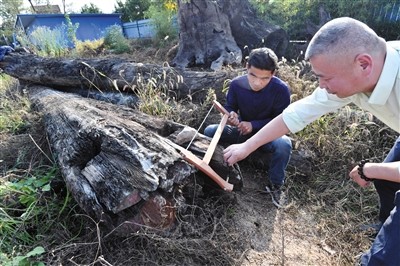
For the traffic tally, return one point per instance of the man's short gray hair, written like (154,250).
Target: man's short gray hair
(342,36)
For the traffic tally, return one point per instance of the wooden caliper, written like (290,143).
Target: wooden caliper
(202,164)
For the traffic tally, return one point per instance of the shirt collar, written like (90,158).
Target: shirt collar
(387,79)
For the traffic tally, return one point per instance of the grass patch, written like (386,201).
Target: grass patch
(13,108)
(26,200)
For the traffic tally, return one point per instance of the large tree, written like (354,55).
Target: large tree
(132,9)
(217,33)
(8,11)
(90,9)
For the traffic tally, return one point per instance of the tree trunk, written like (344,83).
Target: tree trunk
(205,36)
(217,33)
(118,163)
(308,32)
(251,32)
(89,77)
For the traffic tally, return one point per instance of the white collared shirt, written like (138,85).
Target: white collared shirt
(384,102)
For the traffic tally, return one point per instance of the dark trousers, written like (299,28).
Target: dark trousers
(386,189)
(385,249)
(280,149)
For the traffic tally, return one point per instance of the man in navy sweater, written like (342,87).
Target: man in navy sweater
(253,100)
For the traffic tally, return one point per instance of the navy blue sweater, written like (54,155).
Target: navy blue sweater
(257,107)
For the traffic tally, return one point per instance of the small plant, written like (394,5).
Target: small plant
(154,101)
(24,204)
(163,20)
(71,29)
(89,48)
(25,260)
(115,40)
(45,41)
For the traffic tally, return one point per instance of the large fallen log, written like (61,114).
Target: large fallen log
(85,76)
(117,162)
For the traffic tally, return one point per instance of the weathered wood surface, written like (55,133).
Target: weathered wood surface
(116,161)
(85,76)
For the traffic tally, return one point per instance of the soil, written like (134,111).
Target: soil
(284,236)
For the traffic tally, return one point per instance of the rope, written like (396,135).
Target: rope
(197,131)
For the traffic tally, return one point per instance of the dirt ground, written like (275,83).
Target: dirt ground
(277,236)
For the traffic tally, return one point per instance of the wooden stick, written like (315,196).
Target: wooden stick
(205,168)
(213,144)
(220,108)
(202,166)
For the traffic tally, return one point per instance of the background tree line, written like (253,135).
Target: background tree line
(292,15)
(382,16)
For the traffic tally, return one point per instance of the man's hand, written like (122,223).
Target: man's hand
(235,153)
(233,119)
(245,127)
(357,178)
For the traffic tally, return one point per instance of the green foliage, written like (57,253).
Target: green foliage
(371,12)
(155,102)
(115,40)
(132,9)
(24,204)
(8,11)
(156,96)
(45,41)
(90,9)
(162,19)
(23,260)
(71,29)
(293,15)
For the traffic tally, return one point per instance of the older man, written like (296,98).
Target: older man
(353,65)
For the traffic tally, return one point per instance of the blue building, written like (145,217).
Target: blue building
(91,26)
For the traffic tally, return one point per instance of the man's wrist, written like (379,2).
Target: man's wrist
(362,171)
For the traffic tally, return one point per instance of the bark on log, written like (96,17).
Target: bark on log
(91,76)
(116,161)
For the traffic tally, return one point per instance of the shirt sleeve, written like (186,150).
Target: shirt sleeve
(302,112)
